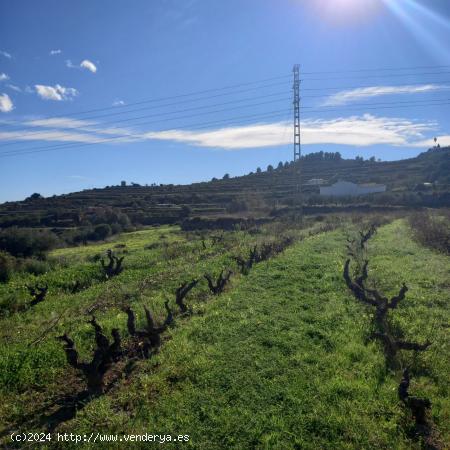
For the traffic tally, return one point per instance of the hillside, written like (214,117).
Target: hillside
(256,193)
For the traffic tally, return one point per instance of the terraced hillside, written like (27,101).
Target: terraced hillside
(256,194)
(283,357)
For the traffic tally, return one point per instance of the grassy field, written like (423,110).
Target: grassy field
(282,359)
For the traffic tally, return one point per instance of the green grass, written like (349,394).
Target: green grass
(281,360)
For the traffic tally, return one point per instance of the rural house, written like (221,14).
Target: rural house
(348,188)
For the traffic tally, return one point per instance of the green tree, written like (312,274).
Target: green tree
(102,231)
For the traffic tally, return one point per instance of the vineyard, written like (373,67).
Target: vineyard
(321,334)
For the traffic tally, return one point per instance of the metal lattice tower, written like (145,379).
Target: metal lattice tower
(296,87)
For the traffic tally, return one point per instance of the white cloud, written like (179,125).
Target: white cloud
(118,103)
(96,128)
(57,92)
(3,77)
(51,135)
(6,105)
(89,65)
(5,54)
(443,141)
(353,95)
(85,64)
(358,131)
(59,122)
(55,52)
(352,131)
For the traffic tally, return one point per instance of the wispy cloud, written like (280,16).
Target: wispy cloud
(352,131)
(354,95)
(358,131)
(59,122)
(118,103)
(98,131)
(57,92)
(442,140)
(6,105)
(85,65)
(51,136)
(55,52)
(5,54)
(3,77)
(14,87)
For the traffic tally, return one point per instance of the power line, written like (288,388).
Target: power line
(187,127)
(339,88)
(187,117)
(310,108)
(386,92)
(36,133)
(118,113)
(130,119)
(409,102)
(154,100)
(190,127)
(382,69)
(319,110)
(377,76)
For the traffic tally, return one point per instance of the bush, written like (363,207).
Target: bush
(10,304)
(34,266)
(25,242)
(102,231)
(431,230)
(7,266)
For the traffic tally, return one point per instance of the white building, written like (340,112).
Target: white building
(348,188)
(315,182)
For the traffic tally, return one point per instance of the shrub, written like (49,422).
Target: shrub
(10,304)
(102,231)
(7,266)
(35,267)
(25,242)
(431,230)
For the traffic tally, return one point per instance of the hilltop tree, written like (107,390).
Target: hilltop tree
(280,165)
(270,168)
(34,196)
(258,170)
(226,177)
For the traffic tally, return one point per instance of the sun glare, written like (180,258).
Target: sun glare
(345,10)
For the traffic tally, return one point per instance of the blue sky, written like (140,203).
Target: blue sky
(182,91)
